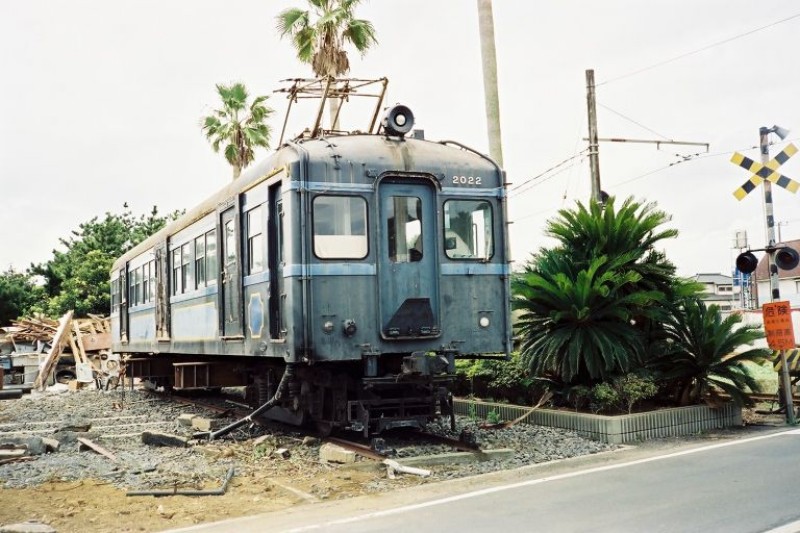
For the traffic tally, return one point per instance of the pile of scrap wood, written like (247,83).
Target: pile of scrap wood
(86,339)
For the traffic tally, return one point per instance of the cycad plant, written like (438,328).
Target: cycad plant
(699,353)
(588,305)
(578,324)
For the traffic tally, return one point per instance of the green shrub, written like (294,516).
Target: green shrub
(604,397)
(493,416)
(632,388)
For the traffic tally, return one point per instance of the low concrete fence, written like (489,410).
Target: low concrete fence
(618,429)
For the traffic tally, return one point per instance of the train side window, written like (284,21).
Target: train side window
(115,295)
(146,282)
(255,241)
(230,242)
(200,261)
(136,278)
(177,288)
(211,257)
(404,233)
(340,227)
(152,295)
(468,231)
(131,288)
(186,267)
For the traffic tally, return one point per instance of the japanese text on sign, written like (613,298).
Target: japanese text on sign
(778,325)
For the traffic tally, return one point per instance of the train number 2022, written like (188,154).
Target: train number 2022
(467,180)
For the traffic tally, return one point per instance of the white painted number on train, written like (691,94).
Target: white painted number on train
(467,180)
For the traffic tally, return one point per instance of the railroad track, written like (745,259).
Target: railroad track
(378,455)
(775,398)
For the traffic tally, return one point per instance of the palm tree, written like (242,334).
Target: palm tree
(699,353)
(577,323)
(321,42)
(237,126)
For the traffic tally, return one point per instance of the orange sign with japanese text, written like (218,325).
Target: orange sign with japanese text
(778,325)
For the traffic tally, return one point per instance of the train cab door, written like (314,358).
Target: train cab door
(407,264)
(276,262)
(231,274)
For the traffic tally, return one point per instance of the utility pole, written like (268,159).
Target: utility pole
(594,147)
(774,281)
(489,59)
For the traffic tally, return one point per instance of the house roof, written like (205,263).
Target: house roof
(716,279)
(762,270)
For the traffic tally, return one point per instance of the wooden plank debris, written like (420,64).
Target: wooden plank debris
(59,338)
(86,338)
(97,448)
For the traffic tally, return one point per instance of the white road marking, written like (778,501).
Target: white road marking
(531,482)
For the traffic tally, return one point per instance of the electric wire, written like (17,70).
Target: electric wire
(697,51)
(634,122)
(531,182)
(691,157)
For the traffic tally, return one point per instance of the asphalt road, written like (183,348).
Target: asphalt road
(744,485)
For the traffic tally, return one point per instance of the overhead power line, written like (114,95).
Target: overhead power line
(703,49)
(529,182)
(633,121)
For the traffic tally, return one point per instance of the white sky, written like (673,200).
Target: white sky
(100,104)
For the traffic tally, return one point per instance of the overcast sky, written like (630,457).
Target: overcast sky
(101,100)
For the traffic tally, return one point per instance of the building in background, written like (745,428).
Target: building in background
(721,290)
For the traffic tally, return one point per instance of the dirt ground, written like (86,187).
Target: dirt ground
(89,505)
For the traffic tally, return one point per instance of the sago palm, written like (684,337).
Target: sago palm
(239,127)
(578,323)
(699,353)
(320,34)
(633,229)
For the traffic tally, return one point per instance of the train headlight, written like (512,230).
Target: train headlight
(349,327)
(484,322)
(327,327)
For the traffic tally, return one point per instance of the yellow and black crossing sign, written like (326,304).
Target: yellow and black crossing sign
(792,360)
(768,171)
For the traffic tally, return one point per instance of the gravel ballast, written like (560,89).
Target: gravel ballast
(116,420)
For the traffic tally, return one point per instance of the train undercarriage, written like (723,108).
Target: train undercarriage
(402,390)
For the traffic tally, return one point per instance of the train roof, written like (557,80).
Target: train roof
(355,158)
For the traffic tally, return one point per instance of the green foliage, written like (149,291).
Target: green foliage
(699,353)
(590,306)
(493,378)
(578,396)
(77,277)
(18,295)
(603,397)
(580,326)
(473,411)
(493,416)
(319,36)
(237,128)
(633,389)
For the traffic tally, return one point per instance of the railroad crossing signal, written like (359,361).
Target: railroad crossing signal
(768,171)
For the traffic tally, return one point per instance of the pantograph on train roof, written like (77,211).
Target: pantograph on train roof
(326,89)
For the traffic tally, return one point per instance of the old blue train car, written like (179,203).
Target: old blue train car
(365,263)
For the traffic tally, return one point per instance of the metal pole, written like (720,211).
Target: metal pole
(594,147)
(774,282)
